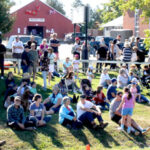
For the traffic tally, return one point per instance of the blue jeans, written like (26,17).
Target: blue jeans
(34,120)
(88,118)
(143,98)
(44,74)
(25,69)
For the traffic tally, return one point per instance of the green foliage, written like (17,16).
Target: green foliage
(143,5)
(77,3)
(57,5)
(6,20)
(111,10)
(147,39)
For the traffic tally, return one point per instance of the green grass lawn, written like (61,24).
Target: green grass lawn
(55,137)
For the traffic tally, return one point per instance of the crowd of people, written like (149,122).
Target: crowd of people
(91,102)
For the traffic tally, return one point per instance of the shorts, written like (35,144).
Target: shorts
(17,55)
(51,68)
(127,111)
(116,118)
(32,68)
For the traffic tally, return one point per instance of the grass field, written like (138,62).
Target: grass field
(55,137)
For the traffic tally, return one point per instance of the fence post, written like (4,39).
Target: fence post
(19,66)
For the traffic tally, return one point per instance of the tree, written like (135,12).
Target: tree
(77,3)
(111,10)
(57,5)
(6,20)
(142,5)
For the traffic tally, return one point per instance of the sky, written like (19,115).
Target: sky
(67,4)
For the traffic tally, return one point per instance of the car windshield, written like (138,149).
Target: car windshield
(26,39)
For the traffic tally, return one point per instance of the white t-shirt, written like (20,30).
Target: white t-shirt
(51,58)
(103,78)
(76,64)
(87,104)
(123,80)
(17,50)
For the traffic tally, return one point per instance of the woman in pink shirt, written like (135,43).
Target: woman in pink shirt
(127,105)
(43,47)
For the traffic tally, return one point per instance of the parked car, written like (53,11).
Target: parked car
(24,39)
(69,38)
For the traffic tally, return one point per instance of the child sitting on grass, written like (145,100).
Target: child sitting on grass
(100,99)
(90,74)
(33,89)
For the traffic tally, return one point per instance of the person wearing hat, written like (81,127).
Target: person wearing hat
(67,116)
(53,102)
(112,90)
(25,59)
(136,73)
(15,116)
(33,60)
(2,52)
(135,88)
(76,47)
(127,52)
(87,112)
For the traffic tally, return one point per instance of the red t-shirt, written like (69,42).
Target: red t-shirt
(99,98)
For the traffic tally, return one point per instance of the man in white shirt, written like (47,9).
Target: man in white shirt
(17,50)
(87,112)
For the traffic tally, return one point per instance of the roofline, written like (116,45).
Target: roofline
(22,7)
(46,5)
(57,11)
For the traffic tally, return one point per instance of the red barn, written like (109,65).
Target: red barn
(38,18)
(129,23)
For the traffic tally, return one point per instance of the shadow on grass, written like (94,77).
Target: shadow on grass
(79,134)
(27,136)
(104,137)
(140,141)
(52,133)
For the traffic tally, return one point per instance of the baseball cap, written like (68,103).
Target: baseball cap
(18,98)
(113,80)
(82,96)
(77,38)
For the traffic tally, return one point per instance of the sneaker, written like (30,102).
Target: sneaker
(120,129)
(144,131)
(2,77)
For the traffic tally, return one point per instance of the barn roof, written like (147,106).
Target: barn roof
(16,8)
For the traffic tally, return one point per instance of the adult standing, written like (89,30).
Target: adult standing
(127,52)
(32,40)
(25,59)
(54,43)
(17,49)
(2,52)
(76,47)
(87,112)
(101,55)
(33,60)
